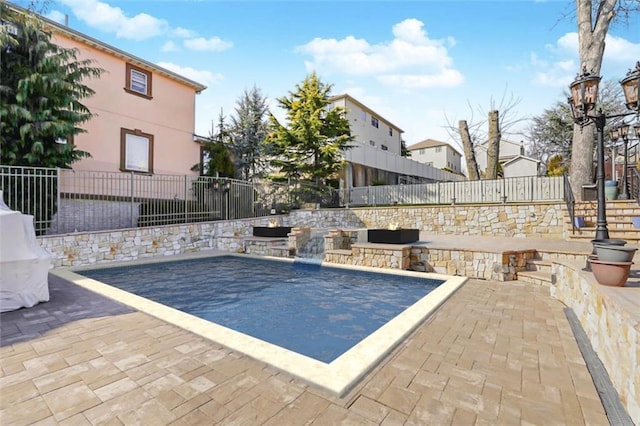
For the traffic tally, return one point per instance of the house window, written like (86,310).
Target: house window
(438,149)
(364,116)
(372,143)
(390,131)
(136,151)
(374,122)
(138,81)
(421,152)
(384,147)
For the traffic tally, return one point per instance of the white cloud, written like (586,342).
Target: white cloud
(142,26)
(184,32)
(108,18)
(622,51)
(169,47)
(213,44)
(447,78)
(200,76)
(411,59)
(561,63)
(57,16)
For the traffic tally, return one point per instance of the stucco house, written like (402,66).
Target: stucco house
(512,158)
(376,153)
(144,115)
(437,154)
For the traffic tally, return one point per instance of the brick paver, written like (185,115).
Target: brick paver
(495,353)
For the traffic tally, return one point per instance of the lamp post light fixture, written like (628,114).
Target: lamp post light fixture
(622,131)
(584,95)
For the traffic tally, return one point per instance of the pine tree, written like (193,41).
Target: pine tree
(41,89)
(217,159)
(311,146)
(248,133)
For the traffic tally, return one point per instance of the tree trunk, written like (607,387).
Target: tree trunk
(591,43)
(469,153)
(493,146)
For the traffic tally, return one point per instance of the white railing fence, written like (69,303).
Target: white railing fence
(64,200)
(509,190)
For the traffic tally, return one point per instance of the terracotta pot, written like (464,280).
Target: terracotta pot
(613,274)
(609,253)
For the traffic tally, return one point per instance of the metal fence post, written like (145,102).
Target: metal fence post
(532,187)
(133,225)
(186,204)
(58,200)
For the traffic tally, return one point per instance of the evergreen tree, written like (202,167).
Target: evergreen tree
(556,166)
(404,152)
(41,89)
(310,147)
(216,157)
(248,132)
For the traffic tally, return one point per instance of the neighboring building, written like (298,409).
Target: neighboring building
(376,154)
(437,154)
(520,165)
(144,115)
(512,158)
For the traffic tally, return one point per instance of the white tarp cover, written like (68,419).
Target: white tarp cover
(24,265)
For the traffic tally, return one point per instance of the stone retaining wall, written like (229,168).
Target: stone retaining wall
(515,220)
(543,220)
(611,320)
(131,244)
(499,266)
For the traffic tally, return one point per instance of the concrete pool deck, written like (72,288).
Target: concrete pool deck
(494,353)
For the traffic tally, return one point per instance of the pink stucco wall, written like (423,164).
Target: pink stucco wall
(169,117)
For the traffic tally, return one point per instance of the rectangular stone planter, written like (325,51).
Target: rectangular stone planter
(393,236)
(271,232)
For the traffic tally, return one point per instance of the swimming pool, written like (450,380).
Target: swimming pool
(320,312)
(342,369)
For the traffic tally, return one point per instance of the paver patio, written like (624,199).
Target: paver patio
(494,353)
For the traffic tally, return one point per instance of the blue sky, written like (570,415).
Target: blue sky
(419,64)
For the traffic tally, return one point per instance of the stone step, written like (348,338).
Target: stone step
(631,239)
(536,277)
(539,265)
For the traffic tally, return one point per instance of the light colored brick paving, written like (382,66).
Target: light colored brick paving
(495,353)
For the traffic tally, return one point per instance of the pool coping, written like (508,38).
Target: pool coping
(337,377)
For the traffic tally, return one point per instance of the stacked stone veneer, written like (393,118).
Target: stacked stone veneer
(515,220)
(611,320)
(542,220)
(131,244)
(341,247)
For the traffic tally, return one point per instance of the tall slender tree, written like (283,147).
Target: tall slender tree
(248,132)
(310,146)
(594,18)
(216,157)
(42,86)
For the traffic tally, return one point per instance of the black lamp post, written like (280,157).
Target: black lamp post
(584,95)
